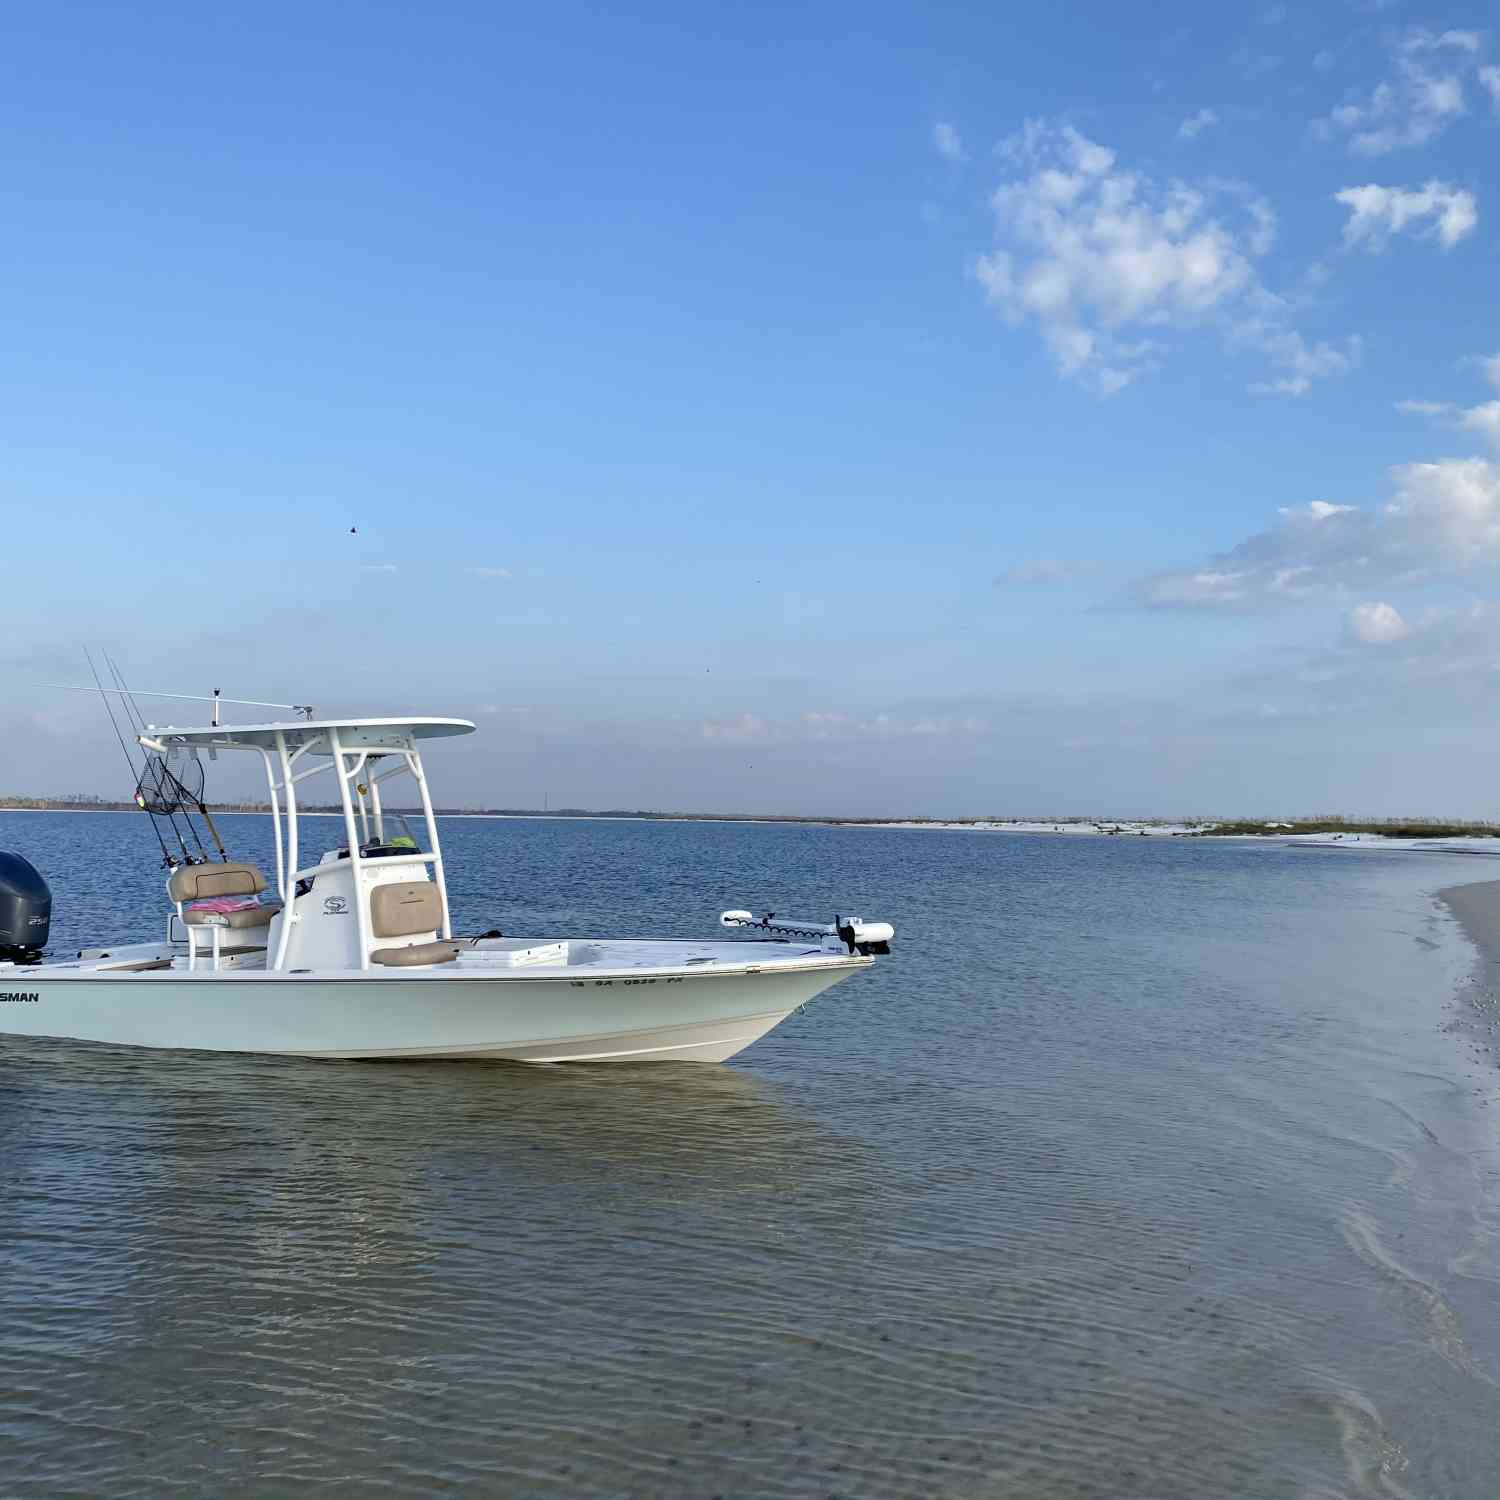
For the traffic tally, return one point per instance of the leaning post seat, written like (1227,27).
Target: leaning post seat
(205,882)
(409,908)
(250,916)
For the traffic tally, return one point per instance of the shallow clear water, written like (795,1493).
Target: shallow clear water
(1142,1168)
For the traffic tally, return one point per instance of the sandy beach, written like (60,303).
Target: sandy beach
(1090,827)
(1139,828)
(1477,907)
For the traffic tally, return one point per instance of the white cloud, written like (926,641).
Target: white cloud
(489,572)
(1490,79)
(947,141)
(1436,667)
(377,567)
(747,729)
(1436,208)
(924,726)
(1391,668)
(1317,510)
(1426,41)
(1105,261)
(1483,419)
(1423,96)
(1446,514)
(1045,570)
(1194,126)
(1302,362)
(1375,624)
(1443,519)
(1263,226)
(829,725)
(1461,642)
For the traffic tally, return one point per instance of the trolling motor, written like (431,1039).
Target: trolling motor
(858,935)
(25,911)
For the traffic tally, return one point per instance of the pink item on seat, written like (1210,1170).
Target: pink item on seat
(223,904)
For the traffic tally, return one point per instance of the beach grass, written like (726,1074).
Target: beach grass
(1392,828)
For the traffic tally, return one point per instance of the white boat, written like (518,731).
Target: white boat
(356,957)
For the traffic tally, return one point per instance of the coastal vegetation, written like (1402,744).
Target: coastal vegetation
(88,802)
(1391,828)
(1330,824)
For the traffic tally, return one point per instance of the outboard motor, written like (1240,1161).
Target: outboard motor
(25,911)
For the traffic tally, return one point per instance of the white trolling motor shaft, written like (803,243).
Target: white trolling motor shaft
(859,935)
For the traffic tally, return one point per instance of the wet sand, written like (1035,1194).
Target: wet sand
(1477,908)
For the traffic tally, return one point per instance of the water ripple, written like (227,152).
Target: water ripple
(1156,1199)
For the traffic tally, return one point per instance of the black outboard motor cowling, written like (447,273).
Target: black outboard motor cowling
(25,910)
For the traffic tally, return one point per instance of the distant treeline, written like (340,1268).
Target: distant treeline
(87,802)
(1330,823)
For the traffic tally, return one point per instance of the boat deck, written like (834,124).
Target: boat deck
(586,959)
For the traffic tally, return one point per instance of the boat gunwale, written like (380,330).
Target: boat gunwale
(539,974)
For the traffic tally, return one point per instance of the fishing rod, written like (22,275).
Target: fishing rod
(167,857)
(133,717)
(159,790)
(158,779)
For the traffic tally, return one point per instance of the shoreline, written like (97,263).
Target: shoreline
(1483,845)
(416,812)
(1476,908)
(1476,905)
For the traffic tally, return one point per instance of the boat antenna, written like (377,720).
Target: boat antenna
(166,854)
(304,710)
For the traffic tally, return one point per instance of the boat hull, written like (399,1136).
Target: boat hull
(703,1017)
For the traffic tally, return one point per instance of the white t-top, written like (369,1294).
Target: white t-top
(353,734)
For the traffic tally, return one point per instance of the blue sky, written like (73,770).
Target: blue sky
(942,409)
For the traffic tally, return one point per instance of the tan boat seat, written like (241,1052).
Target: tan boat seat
(415,955)
(202,882)
(251,916)
(405,908)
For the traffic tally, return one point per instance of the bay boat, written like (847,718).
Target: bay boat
(356,956)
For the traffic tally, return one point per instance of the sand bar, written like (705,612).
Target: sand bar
(1477,908)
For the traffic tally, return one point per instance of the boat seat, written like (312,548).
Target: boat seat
(409,908)
(415,954)
(250,916)
(208,882)
(405,908)
(202,882)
